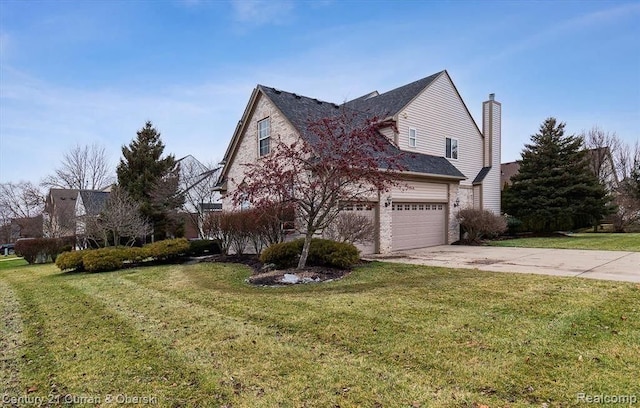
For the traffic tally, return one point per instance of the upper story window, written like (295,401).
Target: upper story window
(451,151)
(264,137)
(413,137)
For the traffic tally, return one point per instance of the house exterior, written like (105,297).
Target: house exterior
(452,164)
(59,212)
(89,204)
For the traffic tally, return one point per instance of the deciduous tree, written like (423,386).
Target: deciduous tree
(339,159)
(119,222)
(83,167)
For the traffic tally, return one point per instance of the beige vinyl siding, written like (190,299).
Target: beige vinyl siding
(491,183)
(421,192)
(438,113)
(388,133)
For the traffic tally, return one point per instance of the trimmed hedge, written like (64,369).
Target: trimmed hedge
(322,252)
(104,259)
(167,249)
(42,249)
(112,258)
(71,260)
(204,246)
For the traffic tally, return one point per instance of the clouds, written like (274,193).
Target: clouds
(189,66)
(261,12)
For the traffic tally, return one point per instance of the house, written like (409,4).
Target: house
(89,204)
(452,164)
(26,227)
(59,212)
(600,163)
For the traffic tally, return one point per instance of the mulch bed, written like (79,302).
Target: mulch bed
(310,274)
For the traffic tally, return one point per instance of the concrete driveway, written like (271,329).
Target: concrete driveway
(608,265)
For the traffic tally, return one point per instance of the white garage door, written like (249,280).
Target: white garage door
(418,225)
(367,210)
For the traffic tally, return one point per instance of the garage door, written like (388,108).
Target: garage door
(418,225)
(367,210)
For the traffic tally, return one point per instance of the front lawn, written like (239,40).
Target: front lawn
(606,242)
(387,335)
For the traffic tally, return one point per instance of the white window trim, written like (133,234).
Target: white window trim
(414,138)
(457,148)
(261,138)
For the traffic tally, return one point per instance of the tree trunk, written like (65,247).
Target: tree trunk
(305,250)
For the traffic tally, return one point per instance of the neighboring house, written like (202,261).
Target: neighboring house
(59,212)
(600,163)
(89,204)
(453,164)
(29,227)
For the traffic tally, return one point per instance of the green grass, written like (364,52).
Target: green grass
(11,262)
(388,335)
(605,242)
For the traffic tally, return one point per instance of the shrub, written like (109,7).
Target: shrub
(167,249)
(514,225)
(350,227)
(203,246)
(481,223)
(283,255)
(104,259)
(71,260)
(42,249)
(322,252)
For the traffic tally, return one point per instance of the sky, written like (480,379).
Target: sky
(84,72)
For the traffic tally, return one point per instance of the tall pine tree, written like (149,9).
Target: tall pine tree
(150,179)
(555,188)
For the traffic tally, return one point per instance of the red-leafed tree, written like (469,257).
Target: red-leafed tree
(339,159)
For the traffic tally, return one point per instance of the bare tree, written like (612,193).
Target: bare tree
(119,222)
(350,227)
(82,168)
(627,197)
(197,183)
(603,146)
(20,200)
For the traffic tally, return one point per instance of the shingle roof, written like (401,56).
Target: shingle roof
(94,201)
(391,102)
(300,110)
(481,175)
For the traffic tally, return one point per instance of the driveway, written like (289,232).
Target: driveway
(608,265)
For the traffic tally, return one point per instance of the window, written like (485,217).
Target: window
(413,136)
(452,149)
(264,133)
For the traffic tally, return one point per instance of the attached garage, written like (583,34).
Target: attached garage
(418,225)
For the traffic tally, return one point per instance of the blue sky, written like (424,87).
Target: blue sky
(79,72)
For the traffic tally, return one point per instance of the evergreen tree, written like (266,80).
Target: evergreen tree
(555,188)
(148,178)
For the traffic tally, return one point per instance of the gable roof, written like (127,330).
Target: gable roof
(61,200)
(300,110)
(391,102)
(94,201)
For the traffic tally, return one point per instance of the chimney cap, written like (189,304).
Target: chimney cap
(492,97)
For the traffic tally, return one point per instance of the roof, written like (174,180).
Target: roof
(508,170)
(481,175)
(94,201)
(300,110)
(391,102)
(61,200)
